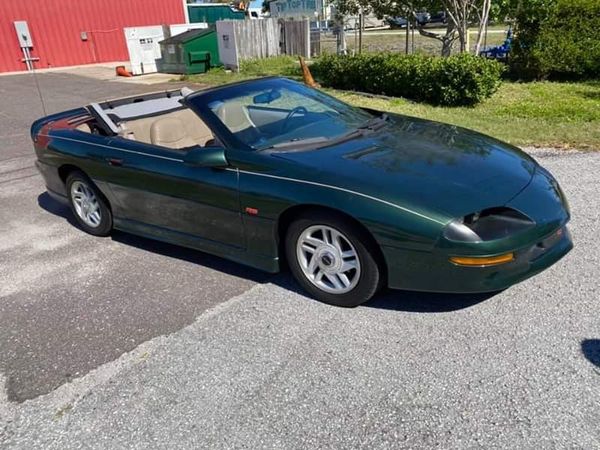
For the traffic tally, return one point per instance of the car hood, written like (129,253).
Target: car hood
(429,166)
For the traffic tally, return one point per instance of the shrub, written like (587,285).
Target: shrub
(276,65)
(457,80)
(561,40)
(529,17)
(569,41)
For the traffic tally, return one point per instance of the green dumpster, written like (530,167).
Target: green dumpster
(194,51)
(211,12)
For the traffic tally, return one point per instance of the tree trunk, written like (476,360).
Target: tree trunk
(447,47)
(407,35)
(360,31)
(342,49)
(446,39)
(483,24)
(458,15)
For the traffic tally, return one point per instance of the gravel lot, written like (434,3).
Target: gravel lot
(127,343)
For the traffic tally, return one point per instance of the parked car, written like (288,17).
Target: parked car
(396,22)
(438,18)
(270,170)
(400,22)
(423,17)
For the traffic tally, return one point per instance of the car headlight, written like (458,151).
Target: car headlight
(487,225)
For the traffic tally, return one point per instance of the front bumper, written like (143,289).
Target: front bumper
(433,272)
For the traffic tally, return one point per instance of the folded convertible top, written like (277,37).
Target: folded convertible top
(111,113)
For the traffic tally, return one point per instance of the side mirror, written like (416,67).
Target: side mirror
(206,157)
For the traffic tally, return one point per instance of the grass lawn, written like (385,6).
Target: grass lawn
(395,41)
(545,114)
(527,114)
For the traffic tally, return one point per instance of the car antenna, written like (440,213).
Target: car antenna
(25,43)
(37,85)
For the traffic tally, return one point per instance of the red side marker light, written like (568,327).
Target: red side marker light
(251,211)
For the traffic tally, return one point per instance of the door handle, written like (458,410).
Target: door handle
(114,161)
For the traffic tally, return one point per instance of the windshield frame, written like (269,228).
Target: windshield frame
(199,102)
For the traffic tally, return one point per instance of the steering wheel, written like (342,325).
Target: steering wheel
(292,113)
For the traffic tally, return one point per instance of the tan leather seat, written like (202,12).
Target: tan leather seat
(85,127)
(195,128)
(170,132)
(235,116)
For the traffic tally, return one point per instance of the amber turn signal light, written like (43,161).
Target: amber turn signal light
(476,261)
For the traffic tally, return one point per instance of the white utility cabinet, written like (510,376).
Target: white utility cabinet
(142,44)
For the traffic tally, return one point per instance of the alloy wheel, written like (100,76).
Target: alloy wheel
(86,204)
(328,259)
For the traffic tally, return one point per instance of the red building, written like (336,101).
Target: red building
(72,32)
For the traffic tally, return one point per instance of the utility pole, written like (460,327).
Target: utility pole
(360,29)
(412,39)
(408,19)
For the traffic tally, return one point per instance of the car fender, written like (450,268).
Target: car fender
(265,198)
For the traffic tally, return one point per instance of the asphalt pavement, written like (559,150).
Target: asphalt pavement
(71,302)
(123,342)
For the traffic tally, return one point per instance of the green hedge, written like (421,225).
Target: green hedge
(569,41)
(559,40)
(453,81)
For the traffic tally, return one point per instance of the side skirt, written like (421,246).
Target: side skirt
(231,253)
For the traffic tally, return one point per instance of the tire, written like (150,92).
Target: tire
(88,205)
(310,239)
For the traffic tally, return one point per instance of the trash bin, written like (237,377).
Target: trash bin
(211,13)
(194,51)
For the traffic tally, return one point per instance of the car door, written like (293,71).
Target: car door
(153,185)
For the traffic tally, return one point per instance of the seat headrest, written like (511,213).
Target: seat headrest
(170,132)
(235,116)
(85,127)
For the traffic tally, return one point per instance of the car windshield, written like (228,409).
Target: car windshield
(279,113)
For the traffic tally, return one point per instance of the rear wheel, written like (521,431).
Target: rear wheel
(331,259)
(88,205)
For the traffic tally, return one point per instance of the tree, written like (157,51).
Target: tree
(409,9)
(345,8)
(483,17)
(461,15)
(501,10)
(464,13)
(529,17)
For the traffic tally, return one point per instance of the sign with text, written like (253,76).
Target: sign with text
(295,8)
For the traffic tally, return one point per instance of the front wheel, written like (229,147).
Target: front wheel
(333,260)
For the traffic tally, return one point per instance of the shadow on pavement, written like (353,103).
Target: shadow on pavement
(173,251)
(55,207)
(408,301)
(426,302)
(591,350)
(192,256)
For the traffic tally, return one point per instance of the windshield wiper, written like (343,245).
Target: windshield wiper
(375,123)
(296,143)
(301,144)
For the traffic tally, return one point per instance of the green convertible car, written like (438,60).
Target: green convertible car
(270,171)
